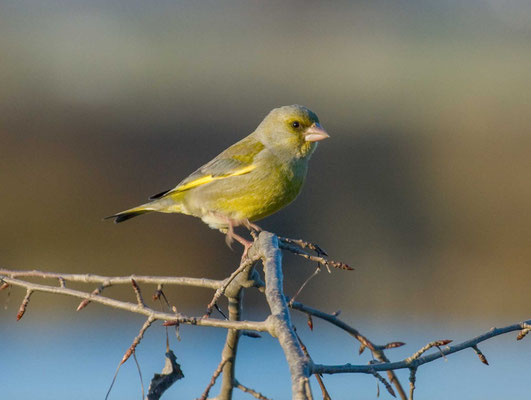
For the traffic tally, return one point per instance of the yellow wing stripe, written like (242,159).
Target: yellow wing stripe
(210,178)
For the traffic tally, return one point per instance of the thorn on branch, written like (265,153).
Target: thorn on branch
(481,356)
(137,340)
(362,348)
(25,302)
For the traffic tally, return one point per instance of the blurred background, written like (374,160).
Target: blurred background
(423,187)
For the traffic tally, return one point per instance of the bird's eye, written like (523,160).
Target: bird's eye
(295,124)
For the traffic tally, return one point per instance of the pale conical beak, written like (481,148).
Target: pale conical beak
(315,133)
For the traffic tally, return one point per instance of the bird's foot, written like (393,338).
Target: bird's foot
(231,236)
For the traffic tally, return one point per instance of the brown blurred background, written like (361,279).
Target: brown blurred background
(424,186)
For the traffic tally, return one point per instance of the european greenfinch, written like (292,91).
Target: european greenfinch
(250,180)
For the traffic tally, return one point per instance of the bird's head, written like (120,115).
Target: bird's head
(294,129)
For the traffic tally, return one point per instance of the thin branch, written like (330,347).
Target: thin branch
(481,356)
(212,382)
(317,270)
(245,263)
(172,319)
(114,280)
(436,343)
(284,245)
(252,392)
(377,350)
(139,374)
(95,292)
(412,380)
(24,304)
(137,340)
(384,382)
(138,293)
(416,362)
(326,395)
(303,244)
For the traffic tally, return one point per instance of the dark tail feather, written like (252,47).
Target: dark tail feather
(124,216)
(159,195)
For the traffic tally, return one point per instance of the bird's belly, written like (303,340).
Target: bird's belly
(247,197)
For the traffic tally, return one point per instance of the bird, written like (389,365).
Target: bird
(250,180)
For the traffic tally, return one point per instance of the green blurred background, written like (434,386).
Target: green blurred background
(424,186)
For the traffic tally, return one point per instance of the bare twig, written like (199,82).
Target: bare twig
(24,304)
(377,350)
(138,293)
(416,361)
(383,381)
(246,262)
(326,395)
(436,343)
(481,356)
(412,380)
(173,319)
(252,392)
(284,245)
(114,280)
(137,340)
(212,382)
(95,292)
(303,244)
(139,374)
(317,270)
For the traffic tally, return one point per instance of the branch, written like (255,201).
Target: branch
(114,280)
(171,318)
(291,245)
(377,350)
(280,320)
(415,362)
(252,392)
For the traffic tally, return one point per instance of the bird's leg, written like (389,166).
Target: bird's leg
(252,227)
(231,236)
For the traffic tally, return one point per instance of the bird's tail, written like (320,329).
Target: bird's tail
(132,212)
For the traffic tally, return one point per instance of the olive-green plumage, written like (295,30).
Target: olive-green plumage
(250,180)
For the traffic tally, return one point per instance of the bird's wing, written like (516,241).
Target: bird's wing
(236,160)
